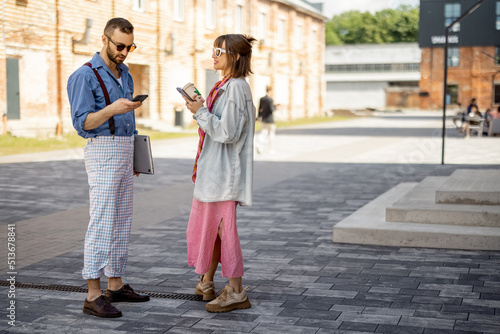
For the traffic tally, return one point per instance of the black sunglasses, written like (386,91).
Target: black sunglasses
(120,47)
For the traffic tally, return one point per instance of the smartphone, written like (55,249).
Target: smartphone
(140,98)
(179,89)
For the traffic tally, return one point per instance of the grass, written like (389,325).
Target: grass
(18,145)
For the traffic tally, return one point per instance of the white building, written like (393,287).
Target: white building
(375,76)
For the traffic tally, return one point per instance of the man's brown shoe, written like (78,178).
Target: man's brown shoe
(125,294)
(101,307)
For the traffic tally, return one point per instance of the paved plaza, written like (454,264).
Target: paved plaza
(300,281)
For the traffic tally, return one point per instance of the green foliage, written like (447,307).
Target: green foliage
(386,26)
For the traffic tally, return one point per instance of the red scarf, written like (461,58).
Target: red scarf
(212,96)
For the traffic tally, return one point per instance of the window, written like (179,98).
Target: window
(399,67)
(497,55)
(451,94)
(298,36)
(281,31)
(312,40)
(498,15)
(262,26)
(179,10)
(497,94)
(451,13)
(239,19)
(453,57)
(211,14)
(139,5)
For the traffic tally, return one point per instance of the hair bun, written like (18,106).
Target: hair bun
(249,39)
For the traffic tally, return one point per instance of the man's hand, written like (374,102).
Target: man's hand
(122,106)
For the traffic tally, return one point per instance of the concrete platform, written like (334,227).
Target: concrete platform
(368,226)
(418,206)
(468,186)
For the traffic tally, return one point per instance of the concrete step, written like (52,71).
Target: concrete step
(467,186)
(368,226)
(418,206)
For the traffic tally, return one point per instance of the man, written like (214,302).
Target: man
(473,103)
(110,128)
(266,108)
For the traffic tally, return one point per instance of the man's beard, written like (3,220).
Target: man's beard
(112,57)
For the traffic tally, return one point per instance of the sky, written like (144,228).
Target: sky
(334,7)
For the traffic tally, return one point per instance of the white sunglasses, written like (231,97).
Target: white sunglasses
(218,51)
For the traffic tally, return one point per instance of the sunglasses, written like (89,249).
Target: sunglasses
(218,51)
(121,47)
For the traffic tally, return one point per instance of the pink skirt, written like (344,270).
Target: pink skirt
(202,234)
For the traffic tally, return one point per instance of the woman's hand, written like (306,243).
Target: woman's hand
(194,106)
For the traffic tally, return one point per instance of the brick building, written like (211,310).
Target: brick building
(473,53)
(44,41)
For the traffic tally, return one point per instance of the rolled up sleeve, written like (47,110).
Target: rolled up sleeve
(81,99)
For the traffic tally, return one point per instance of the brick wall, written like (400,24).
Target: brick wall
(473,76)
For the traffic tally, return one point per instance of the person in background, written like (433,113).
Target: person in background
(496,115)
(459,118)
(268,131)
(223,174)
(488,117)
(473,103)
(110,130)
(474,118)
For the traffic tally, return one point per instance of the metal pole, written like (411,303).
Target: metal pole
(445,84)
(447,30)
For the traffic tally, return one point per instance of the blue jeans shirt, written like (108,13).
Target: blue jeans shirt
(86,96)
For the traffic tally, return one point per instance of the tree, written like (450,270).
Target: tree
(386,26)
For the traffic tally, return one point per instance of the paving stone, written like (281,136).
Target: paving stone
(358,327)
(273,329)
(369,318)
(226,325)
(316,323)
(441,315)
(427,322)
(179,330)
(393,329)
(476,326)
(468,309)
(446,331)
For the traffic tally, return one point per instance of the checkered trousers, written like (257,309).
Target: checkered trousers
(109,165)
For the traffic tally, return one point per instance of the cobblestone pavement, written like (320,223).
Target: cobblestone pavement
(300,281)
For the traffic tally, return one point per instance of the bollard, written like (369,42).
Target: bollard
(59,129)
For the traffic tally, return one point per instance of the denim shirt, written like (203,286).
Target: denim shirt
(86,96)
(225,165)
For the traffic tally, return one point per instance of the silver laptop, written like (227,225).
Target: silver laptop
(143,159)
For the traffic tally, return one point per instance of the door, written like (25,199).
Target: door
(13,104)
(140,75)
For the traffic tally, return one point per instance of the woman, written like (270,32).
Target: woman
(474,119)
(223,174)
